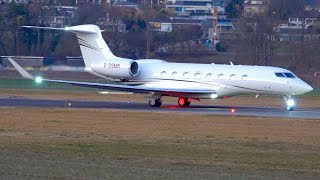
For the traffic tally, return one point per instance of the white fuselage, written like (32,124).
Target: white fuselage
(226,80)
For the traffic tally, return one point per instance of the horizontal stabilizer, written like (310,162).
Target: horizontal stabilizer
(87,29)
(47,28)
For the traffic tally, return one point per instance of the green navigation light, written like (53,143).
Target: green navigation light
(38,80)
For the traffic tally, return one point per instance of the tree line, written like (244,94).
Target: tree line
(255,40)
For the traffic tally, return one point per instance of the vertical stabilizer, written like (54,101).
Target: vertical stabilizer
(94,49)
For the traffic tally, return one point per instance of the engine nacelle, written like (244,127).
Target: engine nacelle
(118,69)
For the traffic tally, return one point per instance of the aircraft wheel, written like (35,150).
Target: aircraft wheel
(155,102)
(184,102)
(290,103)
(290,108)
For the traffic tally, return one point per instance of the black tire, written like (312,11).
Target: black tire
(290,108)
(187,104)
(155,103)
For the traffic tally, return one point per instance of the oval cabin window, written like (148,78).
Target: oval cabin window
(186,75)
(209,76)
(197,75)
(174,74)
(233,76)
(163,73)
(221,76)
(244,77)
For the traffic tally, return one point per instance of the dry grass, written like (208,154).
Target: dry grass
(142,125)
(82,143)
(269,144)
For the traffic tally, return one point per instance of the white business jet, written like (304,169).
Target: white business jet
(186,81)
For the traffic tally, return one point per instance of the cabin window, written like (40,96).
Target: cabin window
(174,74)
(244,77)
(197,75)
(209,76)
(279,75)
(233,76)
(163,73)
(186,75)
(221,76)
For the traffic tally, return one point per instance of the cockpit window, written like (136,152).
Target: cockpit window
(289,75)
(279,75)
(285,75)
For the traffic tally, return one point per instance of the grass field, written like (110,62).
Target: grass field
(43,143)
(91,144)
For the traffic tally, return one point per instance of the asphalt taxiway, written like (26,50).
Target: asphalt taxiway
(310,113)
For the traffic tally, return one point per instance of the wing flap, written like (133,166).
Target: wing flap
(135,89)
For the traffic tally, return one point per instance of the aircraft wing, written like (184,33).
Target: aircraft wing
(117,87)
(135,89)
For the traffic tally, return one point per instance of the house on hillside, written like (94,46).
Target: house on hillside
(116,3)
(297,28)
(59,16)
(224,26)
(196,9)
(255,7)
(167,25)
(16,1)
(125,3)
(111,24)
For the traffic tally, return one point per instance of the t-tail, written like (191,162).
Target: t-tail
(97,55)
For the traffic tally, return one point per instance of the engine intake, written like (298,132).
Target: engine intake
(134,68)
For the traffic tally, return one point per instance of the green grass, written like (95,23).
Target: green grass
(20,83)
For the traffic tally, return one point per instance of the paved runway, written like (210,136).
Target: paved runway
(140,106)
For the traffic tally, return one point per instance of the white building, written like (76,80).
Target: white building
(58,16)
(196,9)
(255,7)
(298,23)
(16,1)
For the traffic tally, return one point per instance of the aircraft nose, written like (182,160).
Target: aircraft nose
(304,88)
(308,88)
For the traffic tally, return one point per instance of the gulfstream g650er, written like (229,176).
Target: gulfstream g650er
(186,81)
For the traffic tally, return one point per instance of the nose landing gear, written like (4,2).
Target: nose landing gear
(290,103)
(155,102)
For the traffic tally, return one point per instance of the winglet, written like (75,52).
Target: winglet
(23,72)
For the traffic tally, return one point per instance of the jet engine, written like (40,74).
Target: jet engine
(119,69)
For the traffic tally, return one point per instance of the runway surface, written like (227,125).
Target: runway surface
(140,106)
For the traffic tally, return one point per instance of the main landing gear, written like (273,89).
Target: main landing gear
(182,102)
(291,104)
